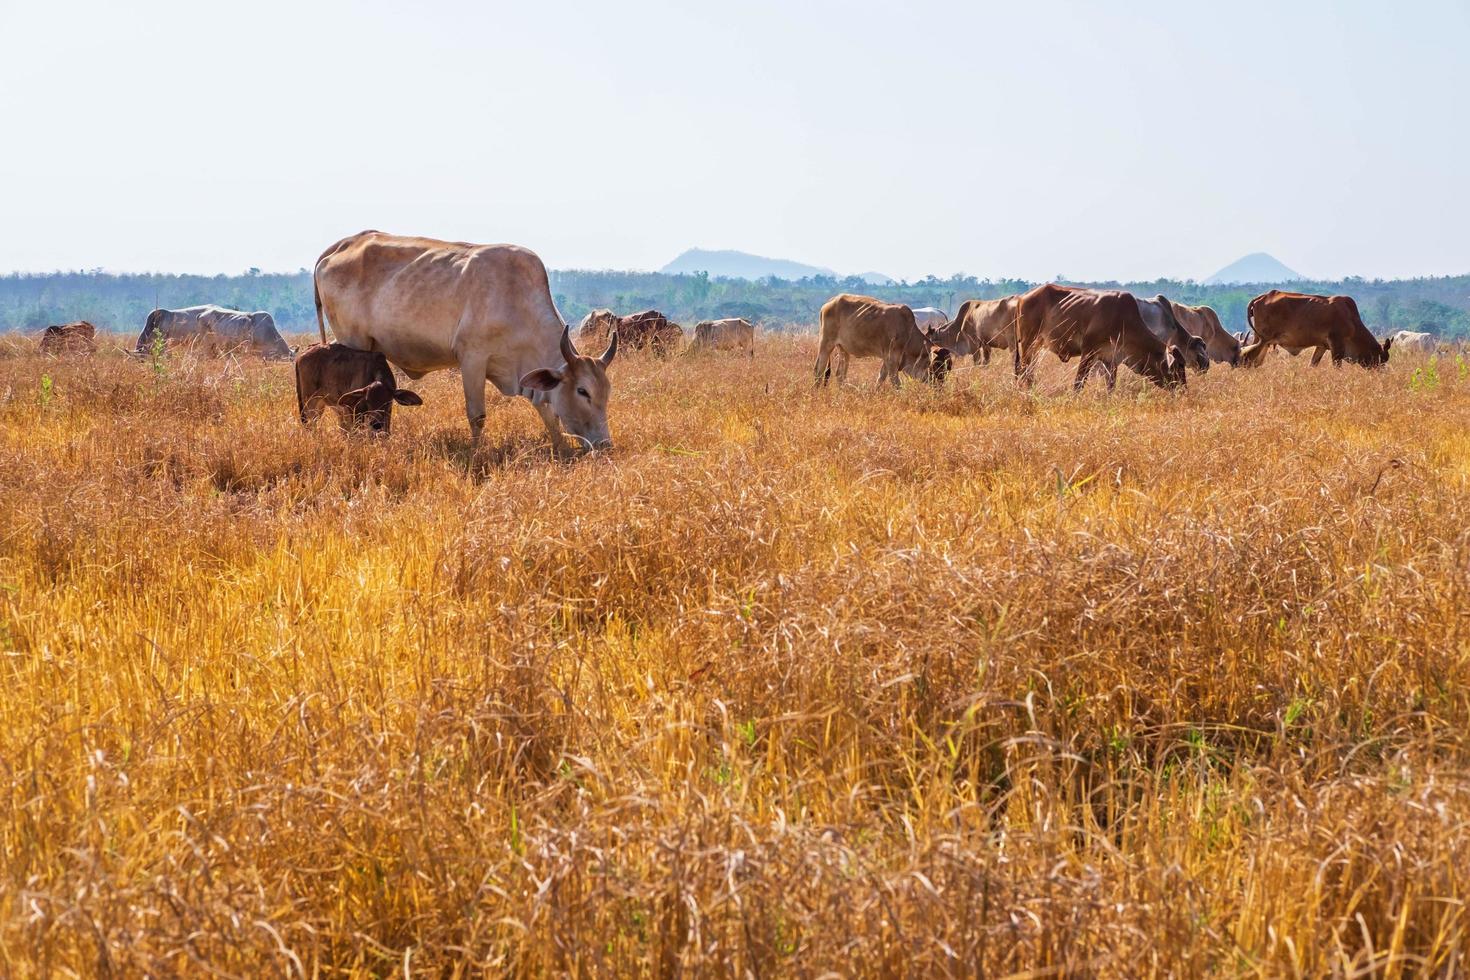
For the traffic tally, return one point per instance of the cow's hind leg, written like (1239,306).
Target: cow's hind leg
(1317,356)
(1024,361)
(822,370)
(312,409)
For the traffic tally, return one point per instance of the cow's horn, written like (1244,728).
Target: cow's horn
(568,352)
(612,349)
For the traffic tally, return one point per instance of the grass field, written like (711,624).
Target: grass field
(868,682)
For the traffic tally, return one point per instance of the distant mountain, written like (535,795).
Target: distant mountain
(741,265)
(1255,268)
(877,279)
(730,264)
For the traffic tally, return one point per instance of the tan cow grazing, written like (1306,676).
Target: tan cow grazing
(1101,327)
(649,330)
(1296,321)
(70,338)
(1158,316)
(357,384)
(979,326)
(861,326)
(484,309)
(1204,323)
(941,362)
(1422,343)
(732,333)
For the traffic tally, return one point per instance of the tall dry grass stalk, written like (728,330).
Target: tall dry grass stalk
(865,682)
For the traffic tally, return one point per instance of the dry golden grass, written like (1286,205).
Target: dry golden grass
(866,682)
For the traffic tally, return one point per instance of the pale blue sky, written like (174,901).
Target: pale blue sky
(1095,140)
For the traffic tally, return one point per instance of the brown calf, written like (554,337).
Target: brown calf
(357,384)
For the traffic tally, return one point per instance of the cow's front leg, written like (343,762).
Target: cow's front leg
(553,428)
(472,368)
(1084,367)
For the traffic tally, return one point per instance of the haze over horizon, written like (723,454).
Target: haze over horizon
(1058,139)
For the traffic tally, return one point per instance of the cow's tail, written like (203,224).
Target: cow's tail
(316,293)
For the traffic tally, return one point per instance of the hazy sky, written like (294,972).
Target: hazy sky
(1093,140)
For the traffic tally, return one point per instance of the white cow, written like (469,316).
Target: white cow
(226,328)
(927,318)
(1425,343)
(484,309)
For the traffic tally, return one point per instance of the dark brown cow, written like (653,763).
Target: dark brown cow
(1099,327)
(648,330)
(941,358)
(1296,321)
(70,338)
(357,384)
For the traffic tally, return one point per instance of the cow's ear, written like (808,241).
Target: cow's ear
(405,397)
(544,379)
(1385,347)
(352,400)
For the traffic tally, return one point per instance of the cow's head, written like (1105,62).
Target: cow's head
(1231,347)
(1198,354)
(1367,351)
(266,338)
(578,393)
(371,406)
(1164,368)
(951,336)
(941,362)
(1174,367)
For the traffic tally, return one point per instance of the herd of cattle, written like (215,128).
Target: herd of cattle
(422,305)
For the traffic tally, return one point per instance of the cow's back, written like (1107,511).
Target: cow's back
(421,301)
(1301,320)
(596,327)
(731,333)
(866,327)
(71,338)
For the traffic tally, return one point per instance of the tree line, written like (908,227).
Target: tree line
(121,303)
